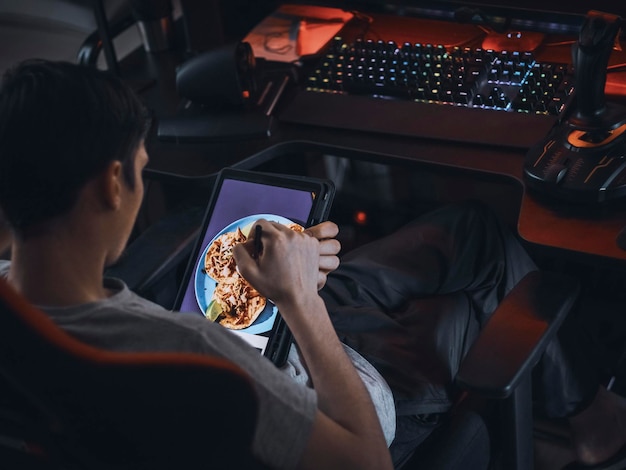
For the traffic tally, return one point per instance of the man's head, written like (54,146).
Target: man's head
(61,125)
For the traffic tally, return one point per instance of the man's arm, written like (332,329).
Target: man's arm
(346,431)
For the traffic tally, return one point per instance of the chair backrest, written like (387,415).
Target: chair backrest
(67,404)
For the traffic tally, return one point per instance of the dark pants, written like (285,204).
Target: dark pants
(413,302)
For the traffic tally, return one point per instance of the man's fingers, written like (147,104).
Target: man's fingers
(323,230)
(330,247)
(242,254)
(328,263)
(321,280)
(248,246)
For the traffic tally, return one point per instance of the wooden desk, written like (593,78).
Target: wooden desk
(557,227)
(586,234)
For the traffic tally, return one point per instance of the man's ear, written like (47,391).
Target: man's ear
(111,183)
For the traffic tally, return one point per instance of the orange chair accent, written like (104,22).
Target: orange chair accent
(65,404)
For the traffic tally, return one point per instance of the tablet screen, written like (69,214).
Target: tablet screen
(212,283)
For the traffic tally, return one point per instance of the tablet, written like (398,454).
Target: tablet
(211,285)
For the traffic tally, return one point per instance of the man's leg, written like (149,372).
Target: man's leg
(421,293)
(412,304)
(457,248)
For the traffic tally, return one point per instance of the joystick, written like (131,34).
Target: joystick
(583,159)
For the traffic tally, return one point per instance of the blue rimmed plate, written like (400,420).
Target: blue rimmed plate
(205,285)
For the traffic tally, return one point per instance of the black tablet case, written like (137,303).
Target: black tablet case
(242,194)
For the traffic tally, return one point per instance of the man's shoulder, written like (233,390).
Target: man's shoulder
(127,321)
(128,304)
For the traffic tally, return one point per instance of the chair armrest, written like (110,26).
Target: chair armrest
(515,337)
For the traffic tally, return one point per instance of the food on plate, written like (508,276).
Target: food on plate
(240,304)
(218,262)
(235,304)
(296,227)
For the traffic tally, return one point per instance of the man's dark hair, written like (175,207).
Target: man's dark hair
(61,124)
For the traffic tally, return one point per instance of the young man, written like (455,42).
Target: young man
(71,195)
(71,156)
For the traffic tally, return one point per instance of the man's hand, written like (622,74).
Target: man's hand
(329,248)
(287,266)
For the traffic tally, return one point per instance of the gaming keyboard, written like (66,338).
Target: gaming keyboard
(430,91)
